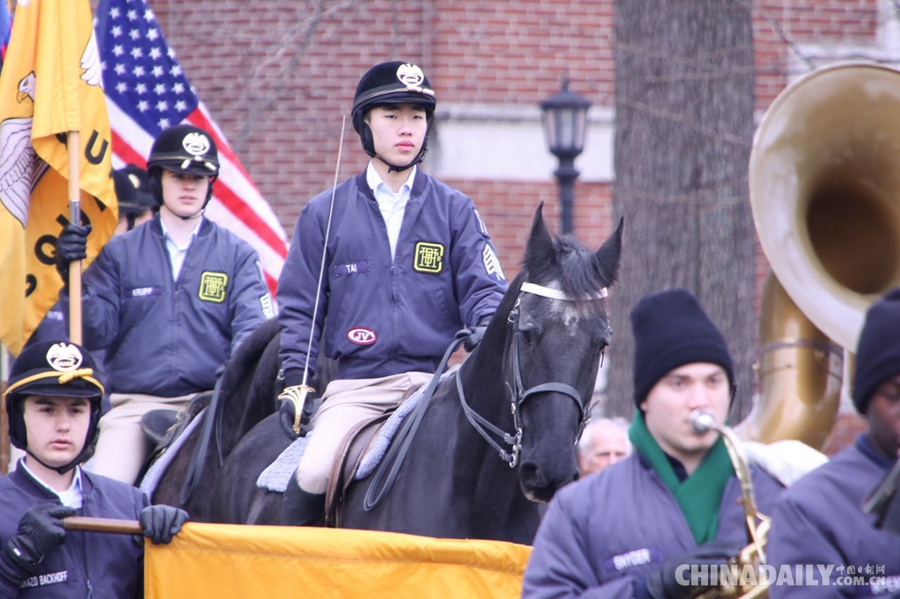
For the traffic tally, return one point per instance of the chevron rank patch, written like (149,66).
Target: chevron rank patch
(268,308)
(429,257)
(492,263)
(212,287)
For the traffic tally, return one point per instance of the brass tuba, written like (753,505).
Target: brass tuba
(825,194)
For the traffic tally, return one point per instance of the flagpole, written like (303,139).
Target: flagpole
(73,146)
(4,424)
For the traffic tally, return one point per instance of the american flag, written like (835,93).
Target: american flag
(5,28)
(146,92)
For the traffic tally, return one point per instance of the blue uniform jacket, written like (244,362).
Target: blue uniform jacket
(819,521)
(100,566)
(165,337)
(382,317)
(604,533)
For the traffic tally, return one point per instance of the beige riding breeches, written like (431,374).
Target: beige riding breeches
(345,404)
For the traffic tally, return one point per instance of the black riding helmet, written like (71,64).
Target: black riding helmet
(394,82)
(53,369)
(182,149)
(133,192)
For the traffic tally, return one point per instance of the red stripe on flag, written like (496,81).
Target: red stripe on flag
(126,152)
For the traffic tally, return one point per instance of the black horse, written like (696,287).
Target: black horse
(529,381)
(247,392)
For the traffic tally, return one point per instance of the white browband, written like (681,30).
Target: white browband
(557,294)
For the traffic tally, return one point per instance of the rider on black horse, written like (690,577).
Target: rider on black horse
(409,263)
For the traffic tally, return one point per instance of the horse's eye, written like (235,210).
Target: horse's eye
(527,336)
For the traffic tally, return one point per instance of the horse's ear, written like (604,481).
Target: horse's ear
(608,256)
(540,243)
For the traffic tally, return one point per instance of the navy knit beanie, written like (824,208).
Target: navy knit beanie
(670,330)
(878,351)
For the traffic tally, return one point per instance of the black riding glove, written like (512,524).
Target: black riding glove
(477,333)
(287,412)
(672,580)
(70,247)
(162,522)
(40,531)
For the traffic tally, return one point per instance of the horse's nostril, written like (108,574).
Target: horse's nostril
(528,472)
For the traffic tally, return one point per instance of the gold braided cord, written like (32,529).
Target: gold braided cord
(62,378)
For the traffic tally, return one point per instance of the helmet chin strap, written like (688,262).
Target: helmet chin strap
(65,467)
(393,168)
(197,214)
(193,216)
(399,169)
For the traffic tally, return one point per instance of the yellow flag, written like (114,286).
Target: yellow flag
(51,84)
(230,561)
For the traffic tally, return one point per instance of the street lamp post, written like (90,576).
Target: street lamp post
(565,117)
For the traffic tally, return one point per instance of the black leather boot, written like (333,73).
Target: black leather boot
(299,508)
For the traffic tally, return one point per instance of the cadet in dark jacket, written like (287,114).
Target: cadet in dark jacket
(819,520)
(169,301)
(408,263)
(634,529)
(53,404)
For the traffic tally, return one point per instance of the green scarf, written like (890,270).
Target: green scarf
(700,495)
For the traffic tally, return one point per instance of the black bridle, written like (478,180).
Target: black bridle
(518,394)
(386,473)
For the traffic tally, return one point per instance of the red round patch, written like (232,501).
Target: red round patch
(362,336)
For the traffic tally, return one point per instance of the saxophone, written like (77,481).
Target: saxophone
(757,524)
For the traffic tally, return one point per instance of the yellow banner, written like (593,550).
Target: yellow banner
(225,561)
(50,85)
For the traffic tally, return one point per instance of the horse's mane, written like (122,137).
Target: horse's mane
(241,365)
(580,271)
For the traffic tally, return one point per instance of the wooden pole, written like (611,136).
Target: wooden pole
(107,525)
(73,146)
(4,425)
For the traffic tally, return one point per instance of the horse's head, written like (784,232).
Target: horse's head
(559,329)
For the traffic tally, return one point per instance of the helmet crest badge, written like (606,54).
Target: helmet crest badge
(196,144)
(64,357)
(410,75)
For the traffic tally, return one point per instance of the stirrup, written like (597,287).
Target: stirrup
(300,508)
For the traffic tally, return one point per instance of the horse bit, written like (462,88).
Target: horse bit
(517,393)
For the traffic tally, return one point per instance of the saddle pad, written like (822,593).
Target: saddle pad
(276,476)
(158,468)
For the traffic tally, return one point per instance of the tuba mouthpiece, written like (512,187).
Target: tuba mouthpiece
(702,421)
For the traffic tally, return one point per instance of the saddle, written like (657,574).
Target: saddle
(347,461)
(162,427)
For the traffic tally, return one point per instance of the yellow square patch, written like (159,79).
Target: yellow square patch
(212,287)
(429,257)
